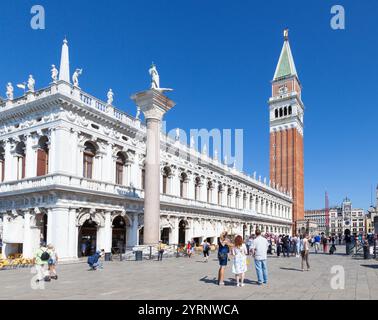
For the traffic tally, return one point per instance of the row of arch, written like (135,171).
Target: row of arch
(283,112)
(243,200)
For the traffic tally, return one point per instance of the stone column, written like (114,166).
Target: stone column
(31,156)
(27,248)
(154,104)
(58,230)
(72,234)
(9,164)
(108,235)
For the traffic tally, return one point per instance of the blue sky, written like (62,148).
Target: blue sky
(220,57)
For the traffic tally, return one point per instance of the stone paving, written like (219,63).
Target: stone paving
(184,278)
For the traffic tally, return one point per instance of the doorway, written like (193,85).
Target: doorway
(119,235)
(87,238)
(182,231)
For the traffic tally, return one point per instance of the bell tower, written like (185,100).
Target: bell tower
(286,130)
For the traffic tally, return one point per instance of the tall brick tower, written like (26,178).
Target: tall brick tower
(286,130)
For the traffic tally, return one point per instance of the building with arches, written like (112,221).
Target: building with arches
(72,171)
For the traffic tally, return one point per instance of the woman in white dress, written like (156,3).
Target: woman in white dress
(239,266)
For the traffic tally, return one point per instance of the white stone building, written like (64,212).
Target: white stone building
(72,172)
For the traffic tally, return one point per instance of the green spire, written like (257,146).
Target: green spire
(286,65)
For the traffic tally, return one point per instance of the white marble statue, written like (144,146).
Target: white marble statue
(177,137)
(75,77)
(155,79)
(110,96)
(9,92)
(54,73)
(137,114)
(31,83)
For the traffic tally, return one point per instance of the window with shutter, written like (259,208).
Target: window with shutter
(42,164)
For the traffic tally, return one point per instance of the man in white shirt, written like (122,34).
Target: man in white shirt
(259,251)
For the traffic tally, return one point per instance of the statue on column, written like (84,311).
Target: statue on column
(75,77)
(9,92)
(155,79)
(110,96)
(31,83)
(137,114)
(54,73)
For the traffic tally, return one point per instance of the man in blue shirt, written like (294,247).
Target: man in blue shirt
(317,243)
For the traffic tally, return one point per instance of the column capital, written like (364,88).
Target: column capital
(153,103)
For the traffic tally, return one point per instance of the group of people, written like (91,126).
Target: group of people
(45,260)
(258,247)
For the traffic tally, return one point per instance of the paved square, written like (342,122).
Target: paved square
(183,278)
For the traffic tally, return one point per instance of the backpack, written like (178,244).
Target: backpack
(45,256)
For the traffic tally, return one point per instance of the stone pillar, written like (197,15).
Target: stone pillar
(154,104)
(10,169)
(108,235)
(31,156)
(132,233)
(27,248)
(72,234)
(175,231)
(58,231)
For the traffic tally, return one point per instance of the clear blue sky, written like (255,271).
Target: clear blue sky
(220,57)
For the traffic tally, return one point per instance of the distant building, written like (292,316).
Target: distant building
(318,217)
(307,226)
(346,218)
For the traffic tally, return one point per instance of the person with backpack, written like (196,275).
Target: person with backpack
(206,249)
(40,260)
(94,261)
(305,249)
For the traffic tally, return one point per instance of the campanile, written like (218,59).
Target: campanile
(286,130)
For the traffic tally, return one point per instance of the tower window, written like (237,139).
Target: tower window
(285,111)
(281,113)
(290,110)
(276,113)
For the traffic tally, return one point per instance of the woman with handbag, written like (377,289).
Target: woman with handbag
(223,250)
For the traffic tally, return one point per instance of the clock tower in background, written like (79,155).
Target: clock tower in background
(286,131)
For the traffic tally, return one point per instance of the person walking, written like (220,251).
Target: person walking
(298,246)
(317,243)
(239,266)
(223,250)
(279,245)
(206,249)
(305,249)
(249,244)
(192,246)
(160,249)
(325,244)
(286,246)
(259,252)
(40,261)
(52,262)
(189,249)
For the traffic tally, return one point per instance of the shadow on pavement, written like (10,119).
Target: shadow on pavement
(372,266)
(291,269)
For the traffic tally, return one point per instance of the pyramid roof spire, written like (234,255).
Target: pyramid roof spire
(286,65)
(64,71)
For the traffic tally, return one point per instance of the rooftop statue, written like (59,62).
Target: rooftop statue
(9,92)
(75,77)
(155,79)
(110,96)
(54,73)
(137,114)
(31,83)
